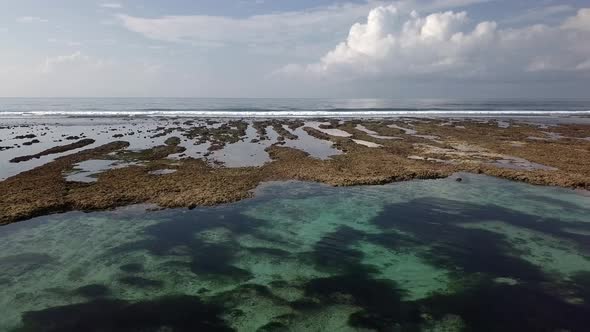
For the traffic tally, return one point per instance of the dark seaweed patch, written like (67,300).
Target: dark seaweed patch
(434,222)
(495,307)
(273,326)
(93,291)
(131,268)
(140,282)
(215,260)
(380,300)
(23,263)
(269,251)
(179,313)
(580,282)
(246,292)
(333,253)
(180,231)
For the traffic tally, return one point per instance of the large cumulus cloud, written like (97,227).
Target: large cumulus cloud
(449,44)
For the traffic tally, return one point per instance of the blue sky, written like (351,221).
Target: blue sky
(303,48)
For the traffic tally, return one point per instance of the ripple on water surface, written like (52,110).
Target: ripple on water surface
(431,255)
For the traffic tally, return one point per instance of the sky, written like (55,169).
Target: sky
(295,48)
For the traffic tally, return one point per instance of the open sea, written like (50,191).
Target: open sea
(265,108)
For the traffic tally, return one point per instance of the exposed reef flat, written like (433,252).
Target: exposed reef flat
(191,152)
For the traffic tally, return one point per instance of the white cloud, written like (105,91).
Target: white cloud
(31,19)
(579,22)
(70,43)
(585,65)
(76,62)
(111,5)
(283,30)
(395,44)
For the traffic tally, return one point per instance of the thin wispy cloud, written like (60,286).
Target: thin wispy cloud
(279,31)
(111,5)
(31,19)
(70,43)
(76,60)
(539,14)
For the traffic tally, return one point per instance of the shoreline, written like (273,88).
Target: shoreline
(370,152)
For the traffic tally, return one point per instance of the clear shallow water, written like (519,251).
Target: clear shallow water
(208,107)
(483,254)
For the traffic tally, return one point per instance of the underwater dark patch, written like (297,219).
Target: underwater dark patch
(580,283)
(250,292)
(180,231)
(489,306)
(333,253)
(444,211)
(380,299)
(273,327)
(93,291)
(131,268)
(479,251)
(23,263)
(140,282)
(215,261)
(269,251)
(435,222)
(394,240)
(178,313)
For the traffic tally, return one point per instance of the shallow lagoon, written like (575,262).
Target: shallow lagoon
(482,254)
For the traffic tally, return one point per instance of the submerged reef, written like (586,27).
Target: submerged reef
(370,152)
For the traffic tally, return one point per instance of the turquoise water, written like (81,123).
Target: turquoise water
(482,254)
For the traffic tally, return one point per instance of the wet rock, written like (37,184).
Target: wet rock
(54,150)
(35,141)
(172,141)
(28,136)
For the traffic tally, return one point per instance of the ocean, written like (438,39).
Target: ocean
(267,108)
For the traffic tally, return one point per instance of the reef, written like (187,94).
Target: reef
(400,150)
(54,150)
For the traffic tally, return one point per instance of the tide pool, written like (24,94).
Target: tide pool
(482,254)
